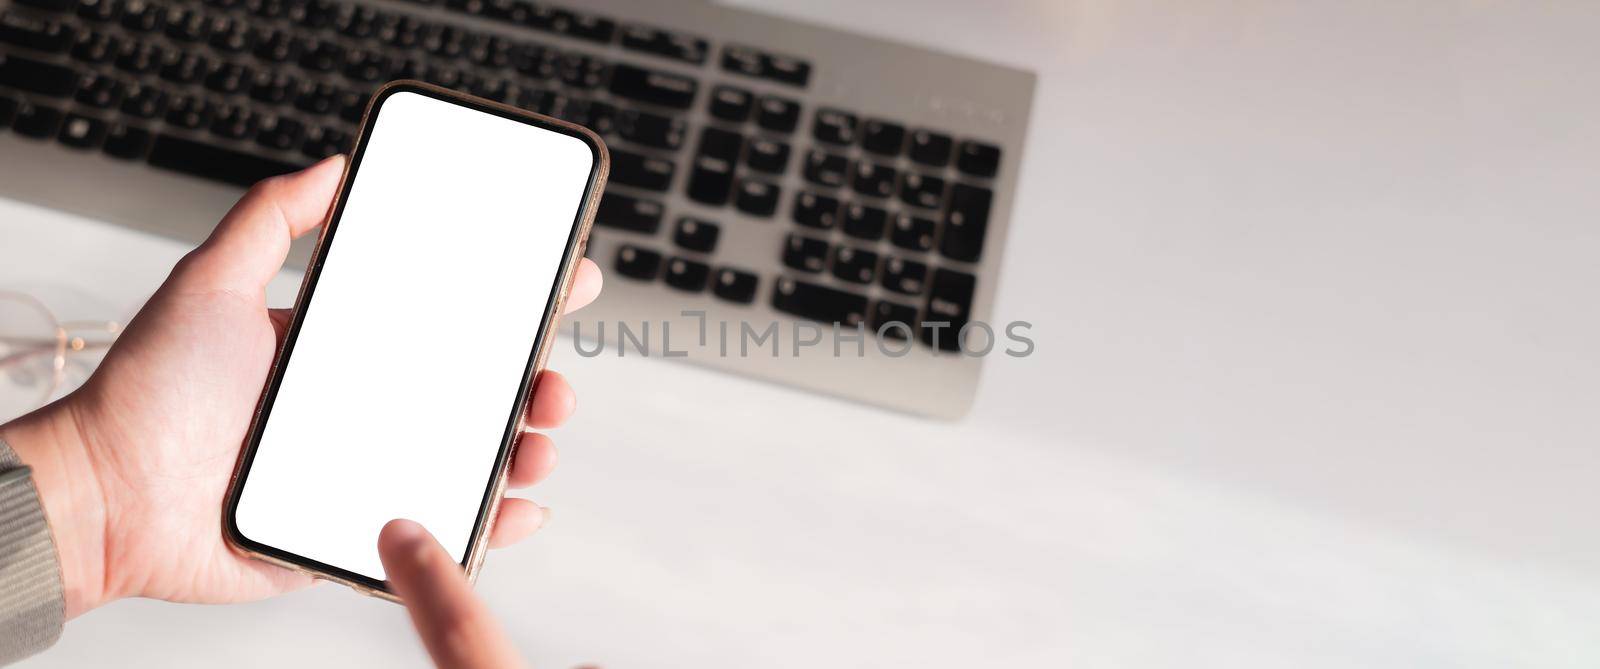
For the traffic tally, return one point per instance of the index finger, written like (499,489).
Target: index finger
(455,626)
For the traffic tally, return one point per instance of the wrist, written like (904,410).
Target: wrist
(50,442)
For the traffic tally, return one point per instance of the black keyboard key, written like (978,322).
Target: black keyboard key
(711,173)
(368,66)
(949,301)
(588,27)
(37,76)
(141,57)
(282,134)
(649,129)
(188,25)
(36,120)
(353,105)
(873,180)
(757,198)
(233,36)
(978,159)
(678,46)
(534,61)
(805,254)
(731,104)
(966,222)
(317,98)
(696,234)
(639,170)
(815,211)
(230,78)
(185,68)
(447,77)
(629,213)
(214,162)
(818,303)
(855,265)
(190,112)
(102,92)
(882,137)
(50,5)
(653,87)
(272,87)
(322,56)
(100,11)
(637,263)
(767,155)
(907,277)
(493,52)
(279,46)
(355,21)
(82,132)
(896,321)
(127,142)
(920,190)
(834,126)
(444,41)
(865,222)
(600,117)
(35,33)
(235,122)
(912,232)
(734,285)
(741,60)
(786,69)
(686,275)
(96,47)
(324,142)
(825,169)
(777,114)
(720,144)
(144,101)
(581,71)
(144,17)
(756,63)
(315,14)
(931,148)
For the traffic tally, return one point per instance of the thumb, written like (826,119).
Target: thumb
(455,626)
(248,247)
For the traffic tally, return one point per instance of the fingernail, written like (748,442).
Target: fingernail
(544,516)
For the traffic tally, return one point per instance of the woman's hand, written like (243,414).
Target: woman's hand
(132,467)
(455,626)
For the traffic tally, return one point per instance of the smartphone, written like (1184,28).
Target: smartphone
(424,318)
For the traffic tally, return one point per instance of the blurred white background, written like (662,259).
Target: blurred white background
(1314,286)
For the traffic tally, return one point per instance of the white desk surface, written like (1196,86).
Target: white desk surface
(1314,286)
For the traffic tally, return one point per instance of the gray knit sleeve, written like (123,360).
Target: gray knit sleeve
(32,609)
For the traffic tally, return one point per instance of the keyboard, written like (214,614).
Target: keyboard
(773,182)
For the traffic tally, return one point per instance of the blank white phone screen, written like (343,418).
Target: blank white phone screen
(396,395)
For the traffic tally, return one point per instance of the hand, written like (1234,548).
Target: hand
(455,626)
(132,467)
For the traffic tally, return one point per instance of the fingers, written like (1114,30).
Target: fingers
(454,624)
(534,460)
(517,520)
(248,247)
(585,285)
(553,401)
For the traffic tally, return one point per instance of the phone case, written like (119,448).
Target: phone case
(479,544)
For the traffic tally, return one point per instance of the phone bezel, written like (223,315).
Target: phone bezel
(495,485)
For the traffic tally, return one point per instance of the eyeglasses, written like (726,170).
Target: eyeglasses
(41,355)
